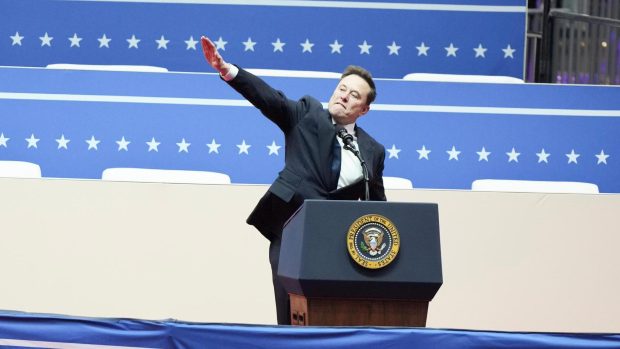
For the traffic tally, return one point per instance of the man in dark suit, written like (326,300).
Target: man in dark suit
(316,165)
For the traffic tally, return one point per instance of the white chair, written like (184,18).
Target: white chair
(131,68)
(294,73)
(164,176)
(490,79)
(19,169)
(533,186)
(397,183)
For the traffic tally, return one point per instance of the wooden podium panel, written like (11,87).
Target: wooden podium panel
(355,312)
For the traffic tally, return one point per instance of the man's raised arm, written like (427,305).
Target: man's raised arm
(215,59)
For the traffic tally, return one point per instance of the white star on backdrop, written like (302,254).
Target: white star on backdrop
(75,40)
(3,140)
(480,51)
(162,43)
(104,41)
(122,144)
(17,40)
(278,45)
(46,40)
(508,51)
(307,46)
(243,147)
(183,146)
(422,49)
(364,48)
(542,156)
(336,46)
(92,143)
(423,152)
(513,155)
(191,43)
(483,154)
(220,44)
(133,41)
(249,45)
(602,157)
(153,145)
(62,142)
(213,147)
(572,157)
(32,141)
(451,50)
(454,154)
(393,152)
(273,148)
(393,48)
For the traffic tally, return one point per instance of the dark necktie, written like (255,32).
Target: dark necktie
(336,163)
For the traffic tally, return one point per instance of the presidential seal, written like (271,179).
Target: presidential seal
(373,241)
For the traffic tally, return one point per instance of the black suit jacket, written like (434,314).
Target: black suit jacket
(309,135)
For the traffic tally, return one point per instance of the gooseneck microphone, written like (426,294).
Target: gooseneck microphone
(347,139)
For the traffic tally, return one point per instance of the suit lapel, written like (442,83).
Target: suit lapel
(366,147)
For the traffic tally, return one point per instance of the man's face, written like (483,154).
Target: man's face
(348,102)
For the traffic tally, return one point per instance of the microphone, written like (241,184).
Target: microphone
(347,138)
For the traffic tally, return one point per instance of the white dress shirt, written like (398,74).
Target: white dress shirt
(350,168)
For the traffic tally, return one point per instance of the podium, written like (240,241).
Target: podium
(330,282)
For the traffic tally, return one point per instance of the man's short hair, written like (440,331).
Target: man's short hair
(364,74)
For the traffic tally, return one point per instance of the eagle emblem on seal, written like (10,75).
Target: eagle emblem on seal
(373,238)
(373,241)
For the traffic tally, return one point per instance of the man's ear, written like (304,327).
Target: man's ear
(365,110)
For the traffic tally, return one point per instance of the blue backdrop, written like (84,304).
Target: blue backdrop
(390,39)
(75,124)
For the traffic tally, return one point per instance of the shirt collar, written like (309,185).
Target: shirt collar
(349,127)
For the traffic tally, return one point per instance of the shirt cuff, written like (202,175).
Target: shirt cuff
(232,73)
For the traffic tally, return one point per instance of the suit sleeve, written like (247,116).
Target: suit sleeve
(377,191)
(272,103)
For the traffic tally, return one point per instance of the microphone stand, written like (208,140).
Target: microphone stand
(364,169)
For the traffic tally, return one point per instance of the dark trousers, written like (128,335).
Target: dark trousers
(269,217)
(282,302)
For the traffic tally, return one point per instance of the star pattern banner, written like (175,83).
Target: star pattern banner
(76,124)
(391,39)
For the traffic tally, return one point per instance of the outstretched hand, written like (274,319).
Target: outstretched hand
(213,57)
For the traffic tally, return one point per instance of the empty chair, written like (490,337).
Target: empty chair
(462,78)
(533,186)
(164,176)
(294,73)
(111,67)
(397,183)
(19,169)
